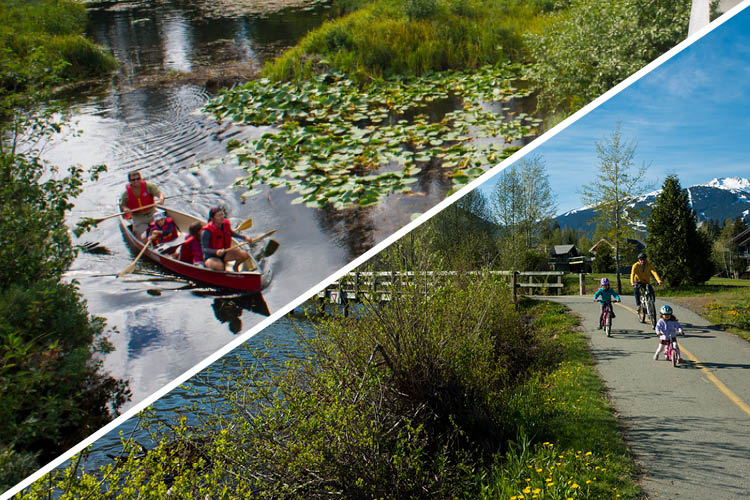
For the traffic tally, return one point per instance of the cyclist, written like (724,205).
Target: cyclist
(667,329)
(640,274)
(605,294)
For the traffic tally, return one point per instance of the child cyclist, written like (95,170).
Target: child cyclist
(667,328)
(604,295)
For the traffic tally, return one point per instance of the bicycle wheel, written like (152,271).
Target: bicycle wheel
(652,313)
(608,323)
(642,311)
(675,357)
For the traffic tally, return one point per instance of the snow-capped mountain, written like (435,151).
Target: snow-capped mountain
(719,199)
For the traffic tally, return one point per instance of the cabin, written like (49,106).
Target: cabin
(567,258)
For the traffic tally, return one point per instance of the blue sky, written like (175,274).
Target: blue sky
(690,116)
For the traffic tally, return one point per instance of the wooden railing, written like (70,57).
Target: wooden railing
(377,286)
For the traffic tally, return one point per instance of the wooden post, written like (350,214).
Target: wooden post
(582,283)
(513,285)
(559,282)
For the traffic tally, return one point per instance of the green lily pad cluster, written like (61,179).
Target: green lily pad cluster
(341,144)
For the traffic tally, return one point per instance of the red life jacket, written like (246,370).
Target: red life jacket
(220,237)
(190,251)
(169,231)
(134,201)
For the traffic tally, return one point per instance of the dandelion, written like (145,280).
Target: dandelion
(575,485)
(527,490)
(588,481)
(536,491)
(588,453)
(539,470)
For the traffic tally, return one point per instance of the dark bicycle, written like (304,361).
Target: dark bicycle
(647,307)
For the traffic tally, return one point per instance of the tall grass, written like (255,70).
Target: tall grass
(384,38)
(43,41)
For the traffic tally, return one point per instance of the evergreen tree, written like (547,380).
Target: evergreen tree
(679,252)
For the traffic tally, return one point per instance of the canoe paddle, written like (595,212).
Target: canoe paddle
(245,225)
(87,223)
(131,267)
(252,241)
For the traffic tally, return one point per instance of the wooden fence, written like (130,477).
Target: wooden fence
(378,286)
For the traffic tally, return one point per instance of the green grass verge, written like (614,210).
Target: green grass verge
(583,454)
(722,301)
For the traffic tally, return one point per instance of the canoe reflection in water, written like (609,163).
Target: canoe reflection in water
(229,309)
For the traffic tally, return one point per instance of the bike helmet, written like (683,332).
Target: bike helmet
(665,309)
(641,256)
(604,281)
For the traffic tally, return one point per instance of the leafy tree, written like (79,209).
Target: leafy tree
(617,182)
(725,250)
(675,246)
(604,261)
(53,390)
(599,43)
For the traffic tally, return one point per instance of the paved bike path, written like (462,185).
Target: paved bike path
(688,427)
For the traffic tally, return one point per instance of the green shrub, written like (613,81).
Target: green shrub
(598,43)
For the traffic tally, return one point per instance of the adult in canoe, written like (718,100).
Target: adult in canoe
(139,201)
(216,240)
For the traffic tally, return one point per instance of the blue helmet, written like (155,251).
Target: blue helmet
(665,309)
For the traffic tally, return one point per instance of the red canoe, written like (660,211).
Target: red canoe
(246,281)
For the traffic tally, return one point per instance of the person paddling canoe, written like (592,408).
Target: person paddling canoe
(139,193)
(216,240)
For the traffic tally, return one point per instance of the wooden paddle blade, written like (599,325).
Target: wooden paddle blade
(131,266)
(245,225)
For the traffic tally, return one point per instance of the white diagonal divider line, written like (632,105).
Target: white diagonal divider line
(375,250)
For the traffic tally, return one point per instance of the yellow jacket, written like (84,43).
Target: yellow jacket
(642,274)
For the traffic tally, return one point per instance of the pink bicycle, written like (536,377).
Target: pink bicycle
(672,351)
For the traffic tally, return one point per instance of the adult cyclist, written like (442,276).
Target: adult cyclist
(640,274)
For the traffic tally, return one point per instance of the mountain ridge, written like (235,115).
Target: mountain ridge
(719,199)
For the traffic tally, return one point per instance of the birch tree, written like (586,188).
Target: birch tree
(523,200)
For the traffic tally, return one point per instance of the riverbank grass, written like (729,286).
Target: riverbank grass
(388,37)
(44,42)
(584,454)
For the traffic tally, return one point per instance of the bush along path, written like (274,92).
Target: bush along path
(448,392)
(693,418)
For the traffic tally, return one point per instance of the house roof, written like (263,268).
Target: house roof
(562,249)
(743,238)
(636,243)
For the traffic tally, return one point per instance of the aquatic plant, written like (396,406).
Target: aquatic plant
(339,144)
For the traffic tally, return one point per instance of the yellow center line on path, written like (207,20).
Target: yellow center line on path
(709,374)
